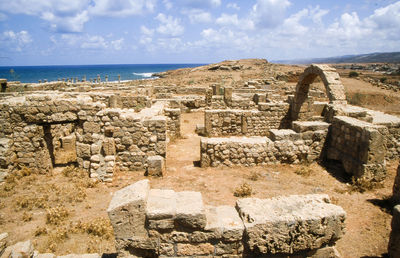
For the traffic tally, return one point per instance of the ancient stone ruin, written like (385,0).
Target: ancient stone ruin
(157,222)
(108,126)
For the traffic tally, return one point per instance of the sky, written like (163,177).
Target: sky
(74,32)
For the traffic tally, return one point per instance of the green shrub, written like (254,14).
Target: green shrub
(353,74)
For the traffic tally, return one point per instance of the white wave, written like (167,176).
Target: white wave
(145,75)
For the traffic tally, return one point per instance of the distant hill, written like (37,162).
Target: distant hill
(389,57)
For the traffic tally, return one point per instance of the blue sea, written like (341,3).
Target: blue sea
(29,74)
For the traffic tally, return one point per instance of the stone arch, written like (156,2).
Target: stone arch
(331,79)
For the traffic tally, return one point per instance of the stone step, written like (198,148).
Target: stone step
(299,222)
(190,211)
(304,126)
(225,222)
(161,204)
(283,134)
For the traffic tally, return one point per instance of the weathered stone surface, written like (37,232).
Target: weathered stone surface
(161,204)
(155,166)
(190,210)
(304,126)
(394,240)
(194,249)
(127,210)
(3,242)
(290,224)
(19,250)
(226,221)
(283,134)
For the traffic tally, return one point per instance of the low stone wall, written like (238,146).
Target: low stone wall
(286,146)
(360,146)
(154,222)
(248,123)
(39,131)
(179,90)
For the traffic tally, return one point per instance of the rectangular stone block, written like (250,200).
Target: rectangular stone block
(161,204)
(226,221)
(190,211)
(304,126)
(283,134)
(287,225)
(196,249)
(127,210)
(155,166)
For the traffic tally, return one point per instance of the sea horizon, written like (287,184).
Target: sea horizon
(34,73)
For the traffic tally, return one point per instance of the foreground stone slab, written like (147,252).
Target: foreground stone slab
(127,210)
(283,134)
(287,225)
(190,211)
(226,221)
(19,250)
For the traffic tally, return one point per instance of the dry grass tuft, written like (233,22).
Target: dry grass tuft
(100,227)
(56,215)
(363,184)
(304,171)
(41,231)
(254,176)
(243,190)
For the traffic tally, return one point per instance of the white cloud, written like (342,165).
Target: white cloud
(233,6)
(117,44)
(168,5)
(387,17)
(16,40)
(146,31)
(269,13)
(199,4)
(232,20)
(71,15)
(94,42)
(198,16)
(169,25)
(62,15)
(121,8)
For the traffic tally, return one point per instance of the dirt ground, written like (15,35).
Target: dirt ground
(65,212)
(368,215)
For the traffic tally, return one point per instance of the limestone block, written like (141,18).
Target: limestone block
(290,224)
(394,240)
(283,134)
(155,166)
(67,152)
(195,249)
(161,204)
(83,150)
(19,250)
(109,146)
(190,211)
(91,127)
(304,126)
(226,221)
(127,210)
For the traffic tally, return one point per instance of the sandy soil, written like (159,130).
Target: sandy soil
(67,214)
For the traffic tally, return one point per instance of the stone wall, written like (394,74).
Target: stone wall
(243,122)
(359,145)
(39,131)
(286,146)
(154,222)
(179,90)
